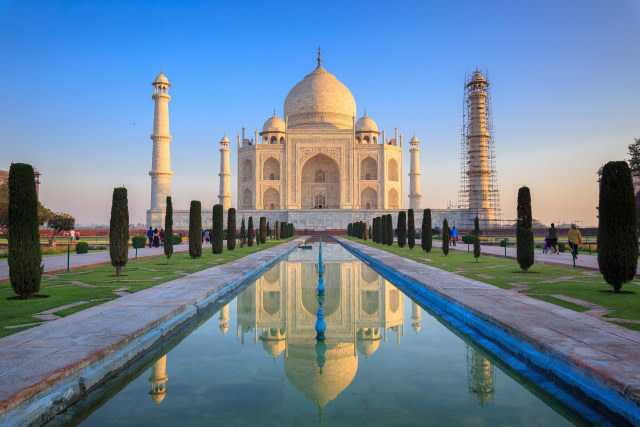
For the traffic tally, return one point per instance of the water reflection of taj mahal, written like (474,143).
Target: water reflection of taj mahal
(362,310)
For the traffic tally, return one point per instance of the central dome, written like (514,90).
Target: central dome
(320,101)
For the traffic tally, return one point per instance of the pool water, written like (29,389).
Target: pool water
(386,361)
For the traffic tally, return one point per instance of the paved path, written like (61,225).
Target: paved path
(584,350)
(56,263)
(44,369)
(563,258)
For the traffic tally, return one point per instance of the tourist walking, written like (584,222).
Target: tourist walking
(161,234)
(575,240)
(150,236)
(553,238)
(454,235)
(156,238)
(72,236)
(77,235)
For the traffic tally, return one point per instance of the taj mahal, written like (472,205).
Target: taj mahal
(320,168)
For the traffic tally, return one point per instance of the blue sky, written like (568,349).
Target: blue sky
(77,102)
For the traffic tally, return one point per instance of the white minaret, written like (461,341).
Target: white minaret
(161,157)
(414,175)
(224,319)
(478,137)
(224,195)
(158,380)
(416,317)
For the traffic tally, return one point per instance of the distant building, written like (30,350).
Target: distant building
(4,177)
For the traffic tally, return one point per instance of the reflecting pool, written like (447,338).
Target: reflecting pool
(386,361)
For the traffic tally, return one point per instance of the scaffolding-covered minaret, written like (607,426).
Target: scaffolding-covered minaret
(478,177)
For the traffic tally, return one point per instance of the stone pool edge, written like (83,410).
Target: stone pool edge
(36,403)
(584,374)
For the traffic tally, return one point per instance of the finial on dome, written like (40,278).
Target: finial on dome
(365,112)
(274,112)
(160,70)
(319,57)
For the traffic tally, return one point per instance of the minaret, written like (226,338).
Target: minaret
(161,157)
(158,380)
(225,175)
(478,137)
(224,319)
(414,175)
(416,317)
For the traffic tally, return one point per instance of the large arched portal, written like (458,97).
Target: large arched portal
(320,183)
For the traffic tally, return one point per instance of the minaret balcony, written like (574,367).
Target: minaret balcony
(161,137)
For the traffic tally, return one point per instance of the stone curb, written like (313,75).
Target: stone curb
(46,369)
(600,359)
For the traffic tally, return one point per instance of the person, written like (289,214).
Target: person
(77,235)
(72,235)
(545,245)
(156,238)
(553,239)
(206,236)
(575,240)
(161,234)
(150,236)
(454,235)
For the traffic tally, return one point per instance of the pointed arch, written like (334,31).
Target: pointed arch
(393,199)
(369,169)
(271,199)
(369,198)
(271,170)
(393,170)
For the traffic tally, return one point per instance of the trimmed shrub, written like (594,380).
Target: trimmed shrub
(283,230)
(476,238)
(138,242)
(383,229)
(250,232)
(503,243)
(562,247)
(263,229)
(350,229)
(243,234)
(389,230)
(524,235)
(365,232)
(426,239)
(277,231)
(232,231)
(291,230)
(177,239)
(371,232)
(195,229)
(411,230)
(402,229)
(468,238)
(168,230)
(446,237)
(617,232)
(82,247)
(119,229)
(217,229)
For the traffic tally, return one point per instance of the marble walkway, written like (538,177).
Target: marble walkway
(44,369)
(605,353)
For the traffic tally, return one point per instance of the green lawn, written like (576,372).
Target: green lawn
(96,285)
(543,280)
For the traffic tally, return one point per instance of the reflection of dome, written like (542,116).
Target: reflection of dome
(367,348)
(273,124)
(320,101)
(366,124)
(273,347)
(339,369)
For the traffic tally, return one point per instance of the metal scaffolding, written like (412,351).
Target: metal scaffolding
(494,191)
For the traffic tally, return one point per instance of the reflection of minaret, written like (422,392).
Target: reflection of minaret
(416,317)
(224,319)
(480,376)
(158,379)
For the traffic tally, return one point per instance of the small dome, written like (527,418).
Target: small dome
(224,139)
(477,77)
(414,140)
(366,124)
(161,79)
(273,347)
(367,348)
(274,124)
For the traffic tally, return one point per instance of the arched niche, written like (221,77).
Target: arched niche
(271,302)
(370,301)
(271,199)
(393,199)
(247,201)
(320,181)
(271,170)
(369,199)
(247,171)
(369,169)
(393,170)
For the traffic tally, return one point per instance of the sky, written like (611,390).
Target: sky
(76,90)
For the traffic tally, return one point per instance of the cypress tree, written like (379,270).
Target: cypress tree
(445,237)
(195,229)
(411,230)
(277,231)
(476,238)
(389,230)
(291,229)
(349,229)
(370,232)
(377,233)
(231,229)
(119,229)
(25,268)
(168,229)
(283,230)
(617,232)
(365,234)
(243,234)
(426,237)
(524,235)
(402,228)
(250,232)
(269,230)
(217,229)
(257,235)
(374,226)
(383,230)
(263,229)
